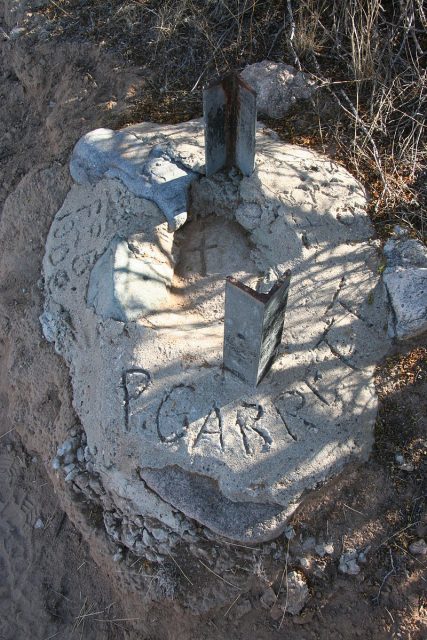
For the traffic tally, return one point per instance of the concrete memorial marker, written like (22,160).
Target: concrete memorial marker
(253,327)
(229,108)
(138,315)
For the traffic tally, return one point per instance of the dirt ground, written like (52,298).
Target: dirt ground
(57,579)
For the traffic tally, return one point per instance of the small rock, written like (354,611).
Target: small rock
(147,538)
(348,563)
(289,533)
(71,474)
(139,547)
(304,563)
(151,556)
(82,480)
(296,594)
(418,548)
(362,557)
(118,555)
(65,447)
(309,543)
(68,468)
(164,548)
(268,598)
(129,537)
(80,455)
(139,521)
(279,86)
(39,524)
(160,534)
(276,613)
(320,550)
(56,463)
(407,466)
(95,485)
(399,459)
(69,458)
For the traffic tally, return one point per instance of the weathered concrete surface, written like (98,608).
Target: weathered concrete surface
(279,87)
(151,394)
(159,174)
(133,275)
(405,278)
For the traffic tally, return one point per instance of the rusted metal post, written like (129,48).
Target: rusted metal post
(229,108)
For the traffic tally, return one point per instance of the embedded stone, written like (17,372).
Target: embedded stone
(405,278)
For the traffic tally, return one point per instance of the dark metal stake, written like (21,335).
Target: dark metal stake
(229,108)
(253,327)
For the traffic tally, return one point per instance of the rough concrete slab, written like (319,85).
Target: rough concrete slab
(159,175)
(151,393)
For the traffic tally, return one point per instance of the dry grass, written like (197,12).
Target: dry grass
(368,56)
(371,58)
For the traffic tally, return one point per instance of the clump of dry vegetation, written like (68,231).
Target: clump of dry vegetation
(368,57)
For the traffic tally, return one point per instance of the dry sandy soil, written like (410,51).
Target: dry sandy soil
(58,581)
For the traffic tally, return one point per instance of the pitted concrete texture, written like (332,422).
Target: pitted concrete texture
(162,416)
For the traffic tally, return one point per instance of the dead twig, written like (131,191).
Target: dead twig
(181,570)
(7,433)
(232,605)
(219,577)
(287,587)
(355,510)
(384,580)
